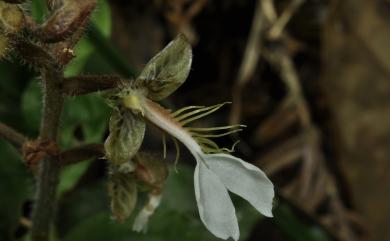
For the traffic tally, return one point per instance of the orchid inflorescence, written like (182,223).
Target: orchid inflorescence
(216,172)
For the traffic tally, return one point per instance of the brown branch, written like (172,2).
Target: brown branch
(249,62)
(81,153)
(278,26)
(85,84)
(11,135)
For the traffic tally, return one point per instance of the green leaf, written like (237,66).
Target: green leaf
(31,105)
(294,228)
(101,18)
(15,188)
(38,10)
(12,82)
(80,204)
(90,114)
(70,175)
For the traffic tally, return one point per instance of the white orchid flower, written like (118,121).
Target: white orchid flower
(216,172)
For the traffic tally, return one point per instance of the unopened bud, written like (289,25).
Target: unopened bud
(66,20)
(11,18)
(150,169)
(122,189)
(126,135)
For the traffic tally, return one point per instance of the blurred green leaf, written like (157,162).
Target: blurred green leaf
(38,10)
(90,113)
(31,105)
(15,188)
(12,83)
(101,18)
(77,206)
(70,175)
(110,54)
(294,228)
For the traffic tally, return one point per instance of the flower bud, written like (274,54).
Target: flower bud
(122,189)
(166,71)
(151,170)
(66,20)
(126,135)
(11,18)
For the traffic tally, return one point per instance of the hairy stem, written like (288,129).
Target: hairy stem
(85,84)
(49,168)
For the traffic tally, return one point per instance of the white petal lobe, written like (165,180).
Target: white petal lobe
(243,179)
(216,209)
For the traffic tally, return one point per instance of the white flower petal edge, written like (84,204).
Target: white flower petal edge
(243,179)
(216,209)
(210,180)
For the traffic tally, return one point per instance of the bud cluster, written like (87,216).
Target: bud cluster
(63,26)
(11,22)
(66,19)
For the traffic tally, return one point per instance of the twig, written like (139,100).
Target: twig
(269,10)
(81,153)
(11,135)
(283,62)
(249,61)
(277,28)
(285,154)
(86,84)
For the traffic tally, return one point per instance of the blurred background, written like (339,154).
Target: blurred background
(309,78)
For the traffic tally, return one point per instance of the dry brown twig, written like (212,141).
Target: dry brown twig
(315,183)
(12,136)
(249,62)
(180,17)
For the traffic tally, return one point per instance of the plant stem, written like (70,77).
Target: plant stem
(85,84)
(11,135)
(49,168)
(81,153)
